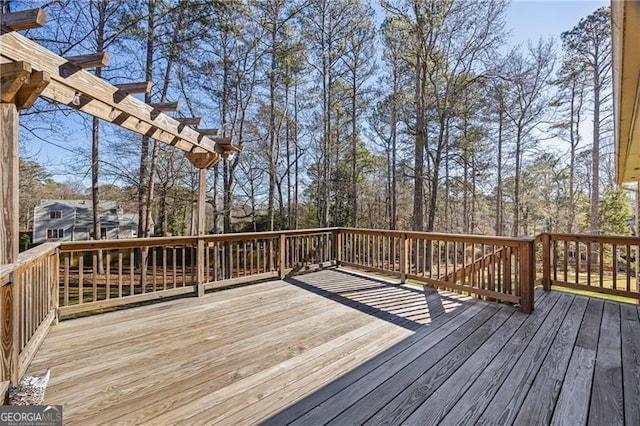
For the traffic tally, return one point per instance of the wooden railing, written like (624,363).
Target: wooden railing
(28,306)
(71,277)
(493,267)
(602,264)
(108,273)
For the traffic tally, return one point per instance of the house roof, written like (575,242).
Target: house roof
(625,21)
(111,214)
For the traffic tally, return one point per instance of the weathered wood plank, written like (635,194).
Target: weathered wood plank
(507,401)
(257,349)
(630,333)
(543,393)
(436,406)
(417,356)
(606,397)
(479,395)
(414,394)
(9,213)
(572,406)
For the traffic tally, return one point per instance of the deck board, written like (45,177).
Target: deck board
(338,347)
(606,398)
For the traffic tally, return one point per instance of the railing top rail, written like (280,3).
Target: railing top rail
(125,243)
(467,238)
(586,238)
(25,259)
(5,273)
(66,246)
(267,234)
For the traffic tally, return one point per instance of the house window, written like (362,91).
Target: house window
(55,214)
(54,234)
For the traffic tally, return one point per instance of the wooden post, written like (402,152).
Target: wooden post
(9,342)
(55,285)
(9,241)
(338,247)
(546,262)
(404,258)
(282,263)
(202,160)
(9,213)
(527,274)
(200,230)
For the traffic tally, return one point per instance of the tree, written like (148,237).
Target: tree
(589,43)
(528,79)
(571,83)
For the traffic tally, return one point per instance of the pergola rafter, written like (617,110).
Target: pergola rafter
(28,71)
(84,91)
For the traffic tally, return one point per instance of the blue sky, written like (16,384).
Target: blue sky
(532,19)
(526,19)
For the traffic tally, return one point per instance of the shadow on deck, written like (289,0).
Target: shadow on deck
(284,352)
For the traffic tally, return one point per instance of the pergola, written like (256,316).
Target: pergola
(29,71)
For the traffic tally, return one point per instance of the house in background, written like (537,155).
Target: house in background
(72,220)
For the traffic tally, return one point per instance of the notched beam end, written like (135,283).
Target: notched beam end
(190,121)
(22,20)
(12,76)
(166,106)
(93,60)
(32,89)
(202,160)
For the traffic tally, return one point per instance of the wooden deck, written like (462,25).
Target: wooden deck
(334,347)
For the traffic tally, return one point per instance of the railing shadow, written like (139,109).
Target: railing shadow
(407,307)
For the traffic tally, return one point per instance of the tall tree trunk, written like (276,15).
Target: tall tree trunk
(296,154)
(272,126)
(394,142)
(499,213)
(354,151)
(418,188)
(163,97)
(516,184)
(95,136)
(595,154)
(143,206)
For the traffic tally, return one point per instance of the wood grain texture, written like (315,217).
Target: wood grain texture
(469,407)
(606,398)
(572,406)
(335,346)
(9,213)
(630,330)
(543,393)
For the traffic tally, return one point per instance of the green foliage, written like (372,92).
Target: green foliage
(615,212)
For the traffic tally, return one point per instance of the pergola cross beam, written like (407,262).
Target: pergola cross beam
(101,99)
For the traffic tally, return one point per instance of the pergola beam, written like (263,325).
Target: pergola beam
(138,87)
(100,99)
(190,121)
(22,20)
(208,132)
(168,107)
(12,77)
(93,60)
(32,89)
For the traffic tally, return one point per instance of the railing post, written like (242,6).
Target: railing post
(546,262)
(404,257)
(338,247)
(55,285)
(200,253)
(527,274)
(9,327)
(281,254)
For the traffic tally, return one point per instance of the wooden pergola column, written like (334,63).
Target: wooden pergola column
(202,161)
(9,147)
